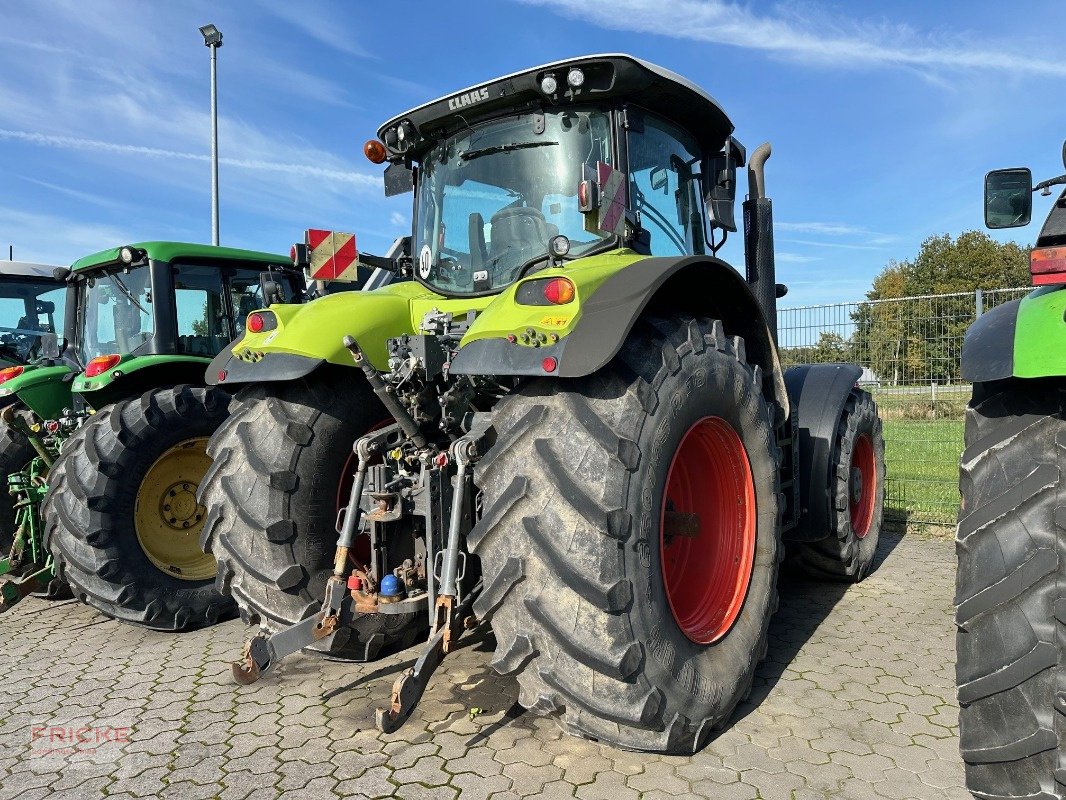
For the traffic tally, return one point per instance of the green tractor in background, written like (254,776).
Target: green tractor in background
(31,308)
(127,401)
(588,439)
(1011,585)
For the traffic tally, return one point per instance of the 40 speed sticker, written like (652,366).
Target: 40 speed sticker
(425,261)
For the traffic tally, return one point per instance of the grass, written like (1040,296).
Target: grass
(923,469)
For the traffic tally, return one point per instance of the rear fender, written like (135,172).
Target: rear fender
(309,335)
(818,393)
(1018,339)
(44,390)
(609,307)
(134,375)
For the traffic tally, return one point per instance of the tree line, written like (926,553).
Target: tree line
(920,339)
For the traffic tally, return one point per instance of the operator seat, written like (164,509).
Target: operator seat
(520,229)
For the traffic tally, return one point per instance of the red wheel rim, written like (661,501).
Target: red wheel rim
(707,530)
(862,486)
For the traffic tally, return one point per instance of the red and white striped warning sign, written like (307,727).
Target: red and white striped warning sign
(331,255)
(612,199)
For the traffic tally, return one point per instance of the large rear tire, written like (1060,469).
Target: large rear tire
(630,538)
(280,463)
(856,495)
(16,453)
(1010,598)
(121,517)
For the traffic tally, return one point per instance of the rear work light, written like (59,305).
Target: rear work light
(1048,265)
(8,373)
(101,364)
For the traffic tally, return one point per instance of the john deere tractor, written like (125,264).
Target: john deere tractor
(1011,586)
(31,314)
(120,515)
(572,424)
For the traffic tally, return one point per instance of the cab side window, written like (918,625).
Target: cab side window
(203,329)
(246,294)
(664,186)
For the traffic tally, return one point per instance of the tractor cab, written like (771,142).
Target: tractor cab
(137,309)
(559,162)
(31,309)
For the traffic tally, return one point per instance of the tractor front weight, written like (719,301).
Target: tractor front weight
(400,549)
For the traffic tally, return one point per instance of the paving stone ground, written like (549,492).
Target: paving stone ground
(855,700)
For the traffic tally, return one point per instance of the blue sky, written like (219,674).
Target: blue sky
(884,116)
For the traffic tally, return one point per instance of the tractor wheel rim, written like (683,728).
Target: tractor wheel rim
(862,486)
(168,519)
(707,530)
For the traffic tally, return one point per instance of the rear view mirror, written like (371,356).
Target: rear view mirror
(49,346)
(398,180)
(720,184)
(1008,198)
(721,192)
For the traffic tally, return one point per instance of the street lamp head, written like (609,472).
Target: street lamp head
(212,36)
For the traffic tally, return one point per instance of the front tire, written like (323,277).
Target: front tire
(1010,599)
(272,499)
(121,517)
(856,495)
(589,488)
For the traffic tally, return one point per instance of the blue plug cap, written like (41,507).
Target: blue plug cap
(391,586)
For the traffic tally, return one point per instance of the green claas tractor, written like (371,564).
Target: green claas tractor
(126,400)
(1011,585)
(31,313)
(588,440)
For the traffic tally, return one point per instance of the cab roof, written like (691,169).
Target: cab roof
(168,251)
(26,269)
(608,77)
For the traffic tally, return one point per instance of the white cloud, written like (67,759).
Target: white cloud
(397,219)
(794,258)
(839,245)
(303,170)
(807,34)
(822,228)
(51,239)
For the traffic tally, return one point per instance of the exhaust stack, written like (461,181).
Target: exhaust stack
(759,239)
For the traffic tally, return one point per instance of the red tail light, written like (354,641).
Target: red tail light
(255,323)
(10,372)
(559,291)
(101,364)
(1048,265)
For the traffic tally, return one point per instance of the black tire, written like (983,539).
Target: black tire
(570,550)
(845,555)
(89,511)
(1010,603)
(16,453)
(272,494)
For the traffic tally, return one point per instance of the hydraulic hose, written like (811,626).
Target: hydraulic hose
(388,399)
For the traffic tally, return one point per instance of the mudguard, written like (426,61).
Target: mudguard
(1018,339)
(818,393)
(698,284)
(45,390)
(134,375)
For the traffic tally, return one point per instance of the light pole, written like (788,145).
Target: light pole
(213,39)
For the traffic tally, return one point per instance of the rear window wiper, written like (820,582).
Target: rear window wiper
(467,155)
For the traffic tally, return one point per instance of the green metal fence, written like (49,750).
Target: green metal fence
(909,349)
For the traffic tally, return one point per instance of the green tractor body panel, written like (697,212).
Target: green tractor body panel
(1017,339)
(315,330)
(168,251)
(45,390)
(1040,324)
(127,366)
